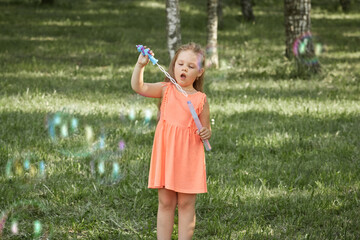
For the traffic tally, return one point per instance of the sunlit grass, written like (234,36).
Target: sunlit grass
(285,156)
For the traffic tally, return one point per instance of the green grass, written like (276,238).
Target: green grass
(285,158)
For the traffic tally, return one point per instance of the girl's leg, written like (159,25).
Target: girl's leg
(187,218)
(166,211)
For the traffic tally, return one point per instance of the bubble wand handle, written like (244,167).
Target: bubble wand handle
(145,52)
(198,124)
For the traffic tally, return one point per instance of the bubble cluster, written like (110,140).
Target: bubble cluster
(136,116)
(61,125)
(25,165)
(307,49)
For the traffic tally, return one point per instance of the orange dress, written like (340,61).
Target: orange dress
(178,158)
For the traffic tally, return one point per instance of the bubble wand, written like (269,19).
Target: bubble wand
(154,61)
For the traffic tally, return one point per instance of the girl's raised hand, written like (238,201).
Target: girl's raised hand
(144,60)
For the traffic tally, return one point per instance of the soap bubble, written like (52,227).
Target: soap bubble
(307,49)
(132,114)
(58,125)
(148,115)
(121,145)
(105,165)
(14,227)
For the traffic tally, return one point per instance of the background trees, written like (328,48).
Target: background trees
(173,26)
(212,59)
(297,23)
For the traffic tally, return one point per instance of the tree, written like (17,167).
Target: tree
(297,23)
(246,9)
(173,26)
(212,59)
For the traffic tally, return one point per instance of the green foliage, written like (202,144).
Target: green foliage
(286,147)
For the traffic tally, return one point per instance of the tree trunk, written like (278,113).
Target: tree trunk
(297,23)
(246,9)
(212,59)
(345,5)
(173,26)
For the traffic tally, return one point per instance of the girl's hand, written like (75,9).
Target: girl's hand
(144,60)
(204,133)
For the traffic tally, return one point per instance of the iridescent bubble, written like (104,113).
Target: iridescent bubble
(42,168)
(307,49)
(57,119)
(132,114)
(101,167)
(32,171)
(148,115)
(52,130)
(37,227)
(8,171)
(64,131)
(14,227)
(89,133)
(121,145)
(18,168)
(74,124)
(27,164)
(102,141)
(116,168)
(105,167)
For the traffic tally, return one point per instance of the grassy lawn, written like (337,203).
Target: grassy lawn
(285,161)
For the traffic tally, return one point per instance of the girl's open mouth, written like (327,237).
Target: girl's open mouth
(183,76)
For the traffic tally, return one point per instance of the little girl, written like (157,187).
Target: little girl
(177,166)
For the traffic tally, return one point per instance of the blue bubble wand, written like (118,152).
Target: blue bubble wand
(154,61)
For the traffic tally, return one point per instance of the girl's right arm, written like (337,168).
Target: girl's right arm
(153,90)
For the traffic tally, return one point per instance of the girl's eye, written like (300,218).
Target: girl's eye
(191,67)
(181,64)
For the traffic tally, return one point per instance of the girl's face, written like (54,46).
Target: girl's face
(187,68)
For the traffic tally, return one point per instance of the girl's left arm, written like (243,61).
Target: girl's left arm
(205,132)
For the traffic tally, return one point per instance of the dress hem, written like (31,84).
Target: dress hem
(179,190)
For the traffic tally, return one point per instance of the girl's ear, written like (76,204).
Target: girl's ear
(201,71)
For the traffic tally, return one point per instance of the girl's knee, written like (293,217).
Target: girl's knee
(186,201)
(167,200)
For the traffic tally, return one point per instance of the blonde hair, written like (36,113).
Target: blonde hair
(199,82)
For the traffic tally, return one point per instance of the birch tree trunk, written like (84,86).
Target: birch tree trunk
(297,23)
(246,9)
(173,26)
(212,59)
